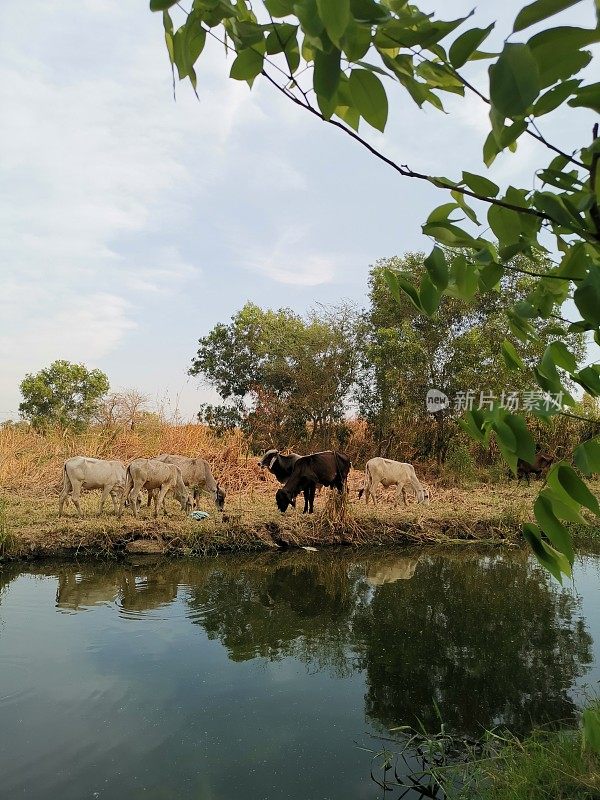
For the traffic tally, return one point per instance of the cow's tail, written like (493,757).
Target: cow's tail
(126,490)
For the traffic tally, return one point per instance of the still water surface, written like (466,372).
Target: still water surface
(263,676)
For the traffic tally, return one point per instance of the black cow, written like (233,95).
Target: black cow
(281,466)
(329,468)
(540,466)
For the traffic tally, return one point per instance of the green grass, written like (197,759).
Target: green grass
(547,765)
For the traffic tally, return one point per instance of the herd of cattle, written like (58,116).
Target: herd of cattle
(186,478)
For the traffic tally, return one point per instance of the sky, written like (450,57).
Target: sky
(131,223)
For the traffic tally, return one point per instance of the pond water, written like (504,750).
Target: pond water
(265,676)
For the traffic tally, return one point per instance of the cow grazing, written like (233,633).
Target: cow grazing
(386,472)
(150,474)
(281,466)
(197,476)
(329,468)
(540,466)
(81,472)
(402,569)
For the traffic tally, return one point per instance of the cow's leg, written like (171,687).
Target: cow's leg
(134,497)
(306,500)
(371,490)
(159,500)
(75,495)
(64,493)
(311,498)
(106,490)
(113,496)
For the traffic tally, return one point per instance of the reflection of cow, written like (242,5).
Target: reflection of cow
(136,589)
(401,569)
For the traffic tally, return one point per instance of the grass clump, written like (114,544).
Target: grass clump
(545,765)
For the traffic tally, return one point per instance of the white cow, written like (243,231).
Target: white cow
(81,472)
(197,475)
(386,472)
(150,474)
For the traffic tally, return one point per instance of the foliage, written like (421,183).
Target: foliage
(331,59)
(405,353)
(286,378)
(62,394)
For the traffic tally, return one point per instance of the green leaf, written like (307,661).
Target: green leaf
(436,266)
(570,488)
(511,357)
(541,9)
(466,44)
(356,41)
(552,526)
(554,97)
(587,456)
(398,284)
(279,8)
(525,444)
(327,73)
(369,97)
(587,96)
(562,356)
(490,275)
(465,278)
(587,297)
(480,185)
(514,80)
(548,557)
(429,296)
(557,54)
(161,5)
(247,65)
(472,423)
(335,15)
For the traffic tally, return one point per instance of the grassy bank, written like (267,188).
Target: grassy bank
(31,526)
(546,764)
(485,510)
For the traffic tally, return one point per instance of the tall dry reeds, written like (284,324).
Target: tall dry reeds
(31,462)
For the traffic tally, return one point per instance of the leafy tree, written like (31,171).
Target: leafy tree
(405,353)
(286,378)
(331,60)
(63,394)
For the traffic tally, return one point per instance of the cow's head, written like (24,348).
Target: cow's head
(283,500)
(220,498)
(268,459)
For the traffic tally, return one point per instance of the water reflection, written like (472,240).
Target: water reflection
(487,637)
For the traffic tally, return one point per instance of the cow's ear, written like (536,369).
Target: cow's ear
(272,461)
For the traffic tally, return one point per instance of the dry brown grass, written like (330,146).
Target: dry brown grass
(31,476)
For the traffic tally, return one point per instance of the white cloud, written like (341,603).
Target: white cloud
(289,261)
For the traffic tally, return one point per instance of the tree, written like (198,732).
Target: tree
(404,354)
(121,409)
(63,394)
(329,59)
(286,378)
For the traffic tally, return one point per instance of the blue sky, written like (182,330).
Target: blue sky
(130,224)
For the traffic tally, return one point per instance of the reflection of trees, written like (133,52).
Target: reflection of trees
(488,639)
(281,606)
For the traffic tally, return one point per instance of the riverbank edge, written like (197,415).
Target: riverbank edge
(31,530)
